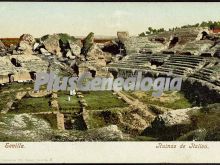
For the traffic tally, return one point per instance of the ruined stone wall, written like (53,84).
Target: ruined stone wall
(133,44)
(22,76)
(4,79)
(199,93)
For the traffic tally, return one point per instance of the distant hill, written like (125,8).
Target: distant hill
(8,41)
(209,24)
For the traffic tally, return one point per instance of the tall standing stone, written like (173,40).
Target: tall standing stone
(122,36)
(26,42)
(88,43)
(2,46)
(52,45)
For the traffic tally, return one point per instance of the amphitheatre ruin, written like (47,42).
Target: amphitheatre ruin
(192,53)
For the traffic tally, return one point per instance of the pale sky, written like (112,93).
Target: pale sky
(102,18)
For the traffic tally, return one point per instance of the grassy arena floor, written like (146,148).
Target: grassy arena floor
(169,99)
(99,100)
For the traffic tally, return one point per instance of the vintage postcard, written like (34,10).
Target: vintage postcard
(109,82)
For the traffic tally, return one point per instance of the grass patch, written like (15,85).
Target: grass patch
(64,73)
(96,121)
(215,68)
(5,98)
(173,100)
(65,105)
(144,138)
(50,118)
(206,124)
(6,138)
(8,92)
(98,100)
(17,86)
(208,119)
(103,118)
(32,105)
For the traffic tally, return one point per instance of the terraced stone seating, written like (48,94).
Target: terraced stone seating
(139,61)
(181,64)
(210,75)
(160,57)
(177,64)
(136,44)
(197,47)
(153,47)
(214,51)
(217,53)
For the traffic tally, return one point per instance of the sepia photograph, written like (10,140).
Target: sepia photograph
(109,72)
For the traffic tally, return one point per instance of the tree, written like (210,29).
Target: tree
(203,24)
(150,29)
(197,25)
(154,31)
(160,30)
(142,34)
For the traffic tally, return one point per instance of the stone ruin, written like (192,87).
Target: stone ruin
(26,43)
(2,49)
(2,46)
(58,51)
(188,52)
(192,53)
(20,68)
(178,41)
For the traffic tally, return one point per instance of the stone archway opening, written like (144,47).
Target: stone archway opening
(157,62)
(15,62)
(33,75)
(114,73)
(93,72)
(173,42)
(217,54)
(206,55)
(204,35)
(75,68)
(186,53)
(11,78)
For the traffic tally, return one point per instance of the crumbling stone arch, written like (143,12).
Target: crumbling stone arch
(11,78)
(33,75)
